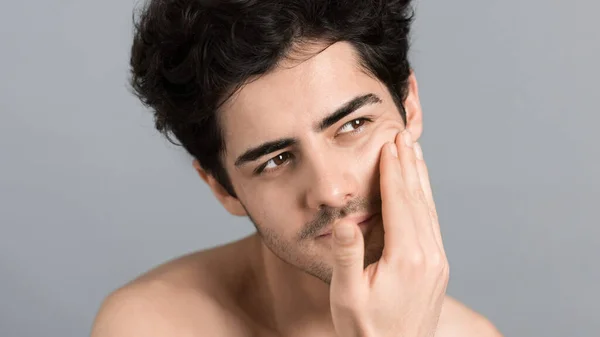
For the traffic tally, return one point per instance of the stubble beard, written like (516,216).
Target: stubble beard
(318,267)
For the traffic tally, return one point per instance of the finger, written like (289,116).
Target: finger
(398,224)
(426,184)
(348,259)
(417,203)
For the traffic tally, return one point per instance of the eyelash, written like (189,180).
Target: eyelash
(261,169)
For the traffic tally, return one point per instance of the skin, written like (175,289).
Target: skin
(286,279)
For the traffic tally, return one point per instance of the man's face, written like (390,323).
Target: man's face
(303,145)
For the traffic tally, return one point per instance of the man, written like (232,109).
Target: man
(303,116)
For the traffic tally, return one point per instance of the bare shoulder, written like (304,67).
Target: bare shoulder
(178,298)
(158,310)
(458,320)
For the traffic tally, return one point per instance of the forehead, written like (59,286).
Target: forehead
(289,100)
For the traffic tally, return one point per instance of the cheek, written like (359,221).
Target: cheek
(369,152)
(271,206)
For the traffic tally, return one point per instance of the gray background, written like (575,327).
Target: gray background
(91,195)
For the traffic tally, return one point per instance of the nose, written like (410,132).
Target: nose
(330,182)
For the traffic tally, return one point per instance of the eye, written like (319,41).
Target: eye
(275,162)
(354,126)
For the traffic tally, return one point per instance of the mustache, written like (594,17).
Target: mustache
(328,215)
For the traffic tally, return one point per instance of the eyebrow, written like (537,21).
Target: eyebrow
(349,107)
(346,109)
(264,149)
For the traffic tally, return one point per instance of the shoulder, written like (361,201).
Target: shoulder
(155,310)
(458,320)
(184,297)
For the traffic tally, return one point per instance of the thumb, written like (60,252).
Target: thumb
(348,256)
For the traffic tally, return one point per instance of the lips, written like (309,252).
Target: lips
(360,220)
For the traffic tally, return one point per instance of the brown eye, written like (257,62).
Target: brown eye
(358,122)
(353,125)
(280,159)
(275,162)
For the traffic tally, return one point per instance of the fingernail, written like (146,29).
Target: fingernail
(393,149)
(344,233)
(418,151)
(407,138)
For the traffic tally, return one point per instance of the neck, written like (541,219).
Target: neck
(293,298)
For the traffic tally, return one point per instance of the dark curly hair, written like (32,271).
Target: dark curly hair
(189,56)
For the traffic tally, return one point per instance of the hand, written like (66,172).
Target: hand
(401,295)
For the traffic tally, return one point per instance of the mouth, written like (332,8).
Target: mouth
(365,222)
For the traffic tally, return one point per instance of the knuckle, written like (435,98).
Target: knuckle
(439,265)
(416,259)
(443,275)
(345,258)
(437,261)
(445,272)
(417,195)
(348,302)
(401,197)
(433,214)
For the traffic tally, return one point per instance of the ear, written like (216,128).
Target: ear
(231,204)
(412,104)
